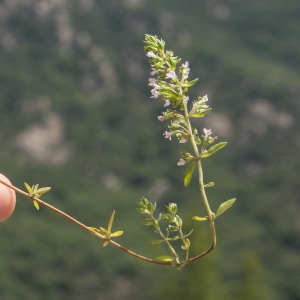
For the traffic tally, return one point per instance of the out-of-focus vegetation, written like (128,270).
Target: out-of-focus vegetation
(76,115)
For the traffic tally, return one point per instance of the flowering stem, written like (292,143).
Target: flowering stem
(201,183)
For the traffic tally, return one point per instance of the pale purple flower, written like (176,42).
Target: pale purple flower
(152,82)
(168,135)
(154,71)
(171,75)
(176,122)
(205,98)
(167,103)
(186,98)
(186,66)
(155,93)
(207,132)
(181,162)
(182,141)
(151,54)
(161,118)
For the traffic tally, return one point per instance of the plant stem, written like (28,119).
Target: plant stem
(201,183)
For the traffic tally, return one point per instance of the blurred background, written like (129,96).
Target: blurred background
(76,115)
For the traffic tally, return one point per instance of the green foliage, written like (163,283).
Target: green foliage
(107,232)
(36,192)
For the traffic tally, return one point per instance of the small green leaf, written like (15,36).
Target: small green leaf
(187,243)
(155,224)
(188,234)
(164,258)
(105,243)
(189,173)
(36,205)
(95,229)
(224,206)
(111,220)
(171,92)
(200,114)
(199,218)
(43,190)
(146,223)
(29,189)
(155,242)
(117,233)
(213,149)
(209,184)
(175,238)
(103,231)
(190,83)
(34,188)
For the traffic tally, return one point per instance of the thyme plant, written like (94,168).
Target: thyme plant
(171,84)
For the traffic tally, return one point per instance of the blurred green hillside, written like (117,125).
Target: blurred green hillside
(76,115)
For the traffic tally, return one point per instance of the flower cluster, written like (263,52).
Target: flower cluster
(172,85)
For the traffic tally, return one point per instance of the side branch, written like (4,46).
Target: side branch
(165,263)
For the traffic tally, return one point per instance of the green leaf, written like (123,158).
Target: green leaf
(95,229)
(34,188)
(36,205)
(117,233)
(189,173)
(187,243)
(209,184)
(105,243)
(103,231)
(164,258)
(189,233)
(28,188)
(142,211)
(190,83)
(175,238)
(213,149)
(111,220)
(200,114)
(146,223)
(155,242)
(199,218)
(155,224)
(170,92)
(43,190)
(224,206)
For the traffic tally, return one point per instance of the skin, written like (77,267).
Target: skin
(7,200)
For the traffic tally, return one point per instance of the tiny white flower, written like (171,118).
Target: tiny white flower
(182,141)
(167,103)
(181,162)
(168,135)
(176,122)
(205,98)
(155,93)
(154,71)
(151,54)
(171,75)
(186,66)
(161,118)
(186,98)
(207,132)
(152,82)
